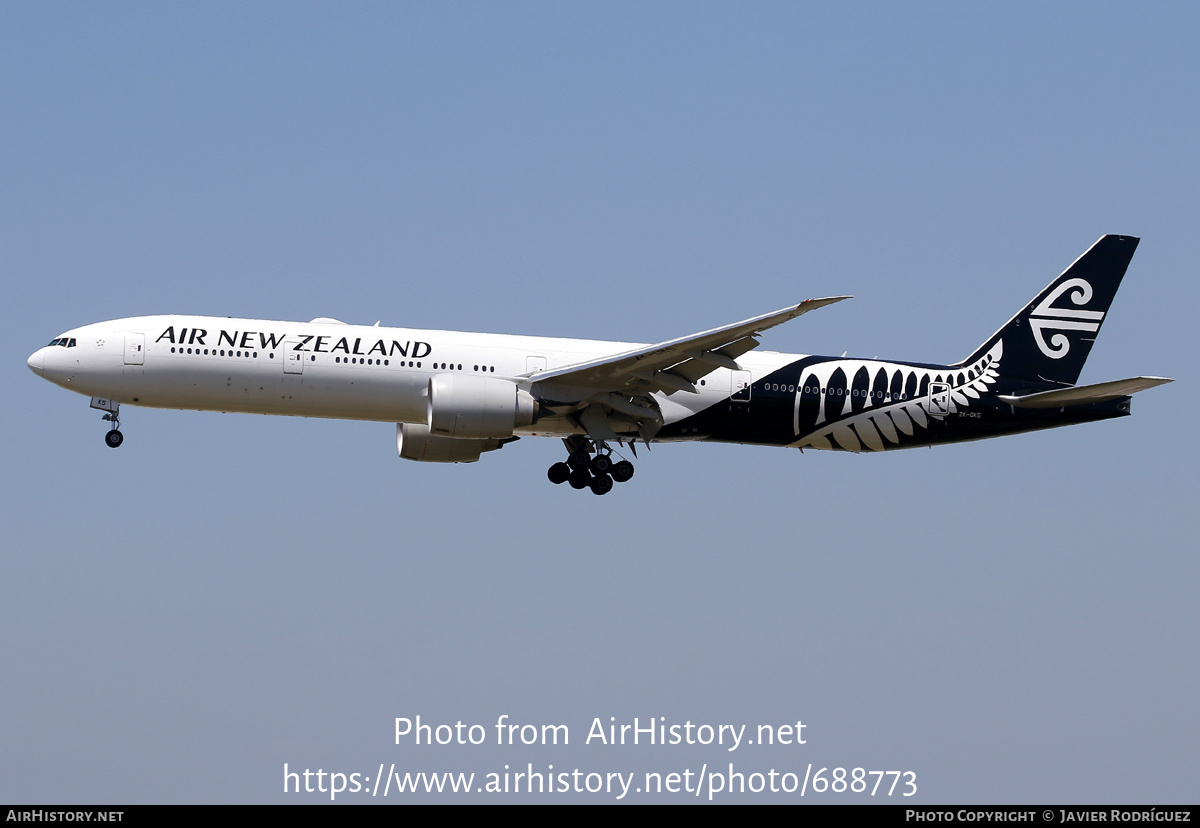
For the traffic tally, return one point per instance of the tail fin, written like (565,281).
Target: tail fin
(1049,340)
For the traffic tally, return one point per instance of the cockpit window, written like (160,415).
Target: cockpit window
(63,341)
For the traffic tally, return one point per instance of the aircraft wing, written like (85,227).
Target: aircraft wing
(674,365)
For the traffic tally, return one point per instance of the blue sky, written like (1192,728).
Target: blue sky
(1013,620)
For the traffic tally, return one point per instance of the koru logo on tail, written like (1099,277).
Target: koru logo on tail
(1047,317)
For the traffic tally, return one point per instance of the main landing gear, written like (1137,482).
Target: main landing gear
(584,471)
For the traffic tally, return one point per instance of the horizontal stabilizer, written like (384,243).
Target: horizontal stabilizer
(1085,394)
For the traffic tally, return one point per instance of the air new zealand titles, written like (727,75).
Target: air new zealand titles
(247,340)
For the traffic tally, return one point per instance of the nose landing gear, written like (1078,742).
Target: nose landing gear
(585,471)
(114,437)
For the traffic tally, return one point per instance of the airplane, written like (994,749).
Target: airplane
(455,395)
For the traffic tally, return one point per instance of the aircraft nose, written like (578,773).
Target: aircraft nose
(36,361)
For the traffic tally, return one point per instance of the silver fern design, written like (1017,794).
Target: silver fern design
(859,405)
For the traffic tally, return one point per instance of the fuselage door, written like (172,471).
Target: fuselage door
(293,360)
(740,389)
(135,349)
(939,400)
(534,364)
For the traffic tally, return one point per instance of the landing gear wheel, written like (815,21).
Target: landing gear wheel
(114,439)
(622,471)
(558,473)
(601,463)
(602,484)
(579,479)
(578,461)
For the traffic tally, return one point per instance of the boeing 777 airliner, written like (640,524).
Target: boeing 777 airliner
(455,395)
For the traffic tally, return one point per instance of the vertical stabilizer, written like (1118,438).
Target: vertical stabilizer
(1050,339)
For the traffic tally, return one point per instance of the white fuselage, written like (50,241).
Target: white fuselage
(323,368)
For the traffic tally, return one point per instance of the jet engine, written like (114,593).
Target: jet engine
(462,406)
(414,442)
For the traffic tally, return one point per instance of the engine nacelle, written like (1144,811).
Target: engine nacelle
(469,407)
(414,442)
